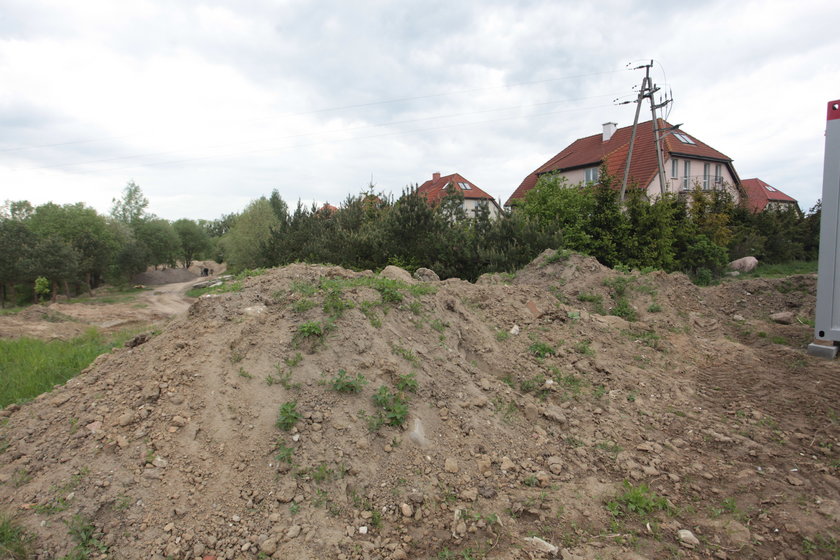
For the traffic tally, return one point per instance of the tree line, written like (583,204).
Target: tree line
(67,249)
(697,233)
(71,248)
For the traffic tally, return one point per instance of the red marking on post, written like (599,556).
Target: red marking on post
(833,110)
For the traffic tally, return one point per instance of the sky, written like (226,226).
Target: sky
(209,105)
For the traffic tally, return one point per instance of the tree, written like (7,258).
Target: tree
(131,208)
(14,264)
(194,240)
(162,243)
(243,244)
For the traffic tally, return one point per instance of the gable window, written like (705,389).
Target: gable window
(675,169)
(590,175)
(686,182)
(706,168)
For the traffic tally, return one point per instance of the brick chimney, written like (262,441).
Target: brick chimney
(609,130)
(436,176)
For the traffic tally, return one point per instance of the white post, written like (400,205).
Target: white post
(827,320)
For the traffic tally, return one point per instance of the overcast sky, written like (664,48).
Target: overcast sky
(208,105)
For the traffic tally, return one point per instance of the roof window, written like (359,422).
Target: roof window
(769,188)
(683,138)
(465,186)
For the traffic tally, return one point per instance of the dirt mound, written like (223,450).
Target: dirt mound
(323,413)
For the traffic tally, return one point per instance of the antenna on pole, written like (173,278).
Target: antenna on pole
(647,89)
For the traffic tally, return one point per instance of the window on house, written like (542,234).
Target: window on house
(769,188)
(675,168)
(464,186)
(590,175)
(686,175)
(718,176)
(683,138)
(706,168)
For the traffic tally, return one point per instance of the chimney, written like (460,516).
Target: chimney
(436,176)
(609,130)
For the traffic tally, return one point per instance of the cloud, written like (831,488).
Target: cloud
(210,105)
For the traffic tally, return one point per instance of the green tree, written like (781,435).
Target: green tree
(15,264)
(131,208)
(244,244)
(160,242)
(194,240)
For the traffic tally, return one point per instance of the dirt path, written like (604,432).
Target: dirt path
(68,320)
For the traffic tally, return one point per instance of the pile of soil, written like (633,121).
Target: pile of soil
(689,427)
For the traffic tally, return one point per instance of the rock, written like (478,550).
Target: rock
(487,492)
(469,495)
(531,412)
(687,538)
(744,264)
(507,464)
(125,419)
(151,392)
(738,318)
(397,273)
(554,414)
(285,492)
(293,531)
(783,317)
(555,464)
(179,421)
(426,275)
(514,330)
(406,510)
(363,530)
(268,546)
(94,427)
(795,480)
(539,545)
(450,465)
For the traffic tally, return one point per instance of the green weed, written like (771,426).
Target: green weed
(636,500)
(344,383)
(405,354)
(502,335)
(623,309)
(302,305)
(287,416)
(407,382)
(284,454)
(654,308)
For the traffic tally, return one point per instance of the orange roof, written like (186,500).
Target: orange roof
(593,151)
(435,188)
(760,194)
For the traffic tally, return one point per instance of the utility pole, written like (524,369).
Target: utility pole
(646,91)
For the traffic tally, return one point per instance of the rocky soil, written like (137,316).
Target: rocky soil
(521,417)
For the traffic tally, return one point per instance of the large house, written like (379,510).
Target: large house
(687,161)
(760,197)
(435,189)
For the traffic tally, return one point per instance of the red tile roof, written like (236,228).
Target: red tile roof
(760,194)
(435,188)
(592,151)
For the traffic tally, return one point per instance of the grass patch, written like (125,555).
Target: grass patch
(541,350)
(782,269)
(15,542)
(31,366)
